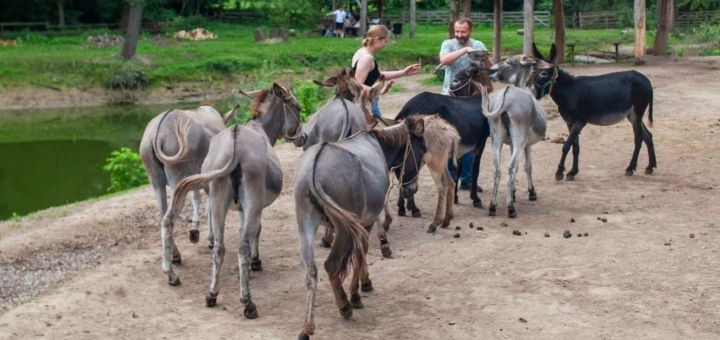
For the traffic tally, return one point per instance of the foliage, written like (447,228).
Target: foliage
(309,95)
(126,170)
(706,32)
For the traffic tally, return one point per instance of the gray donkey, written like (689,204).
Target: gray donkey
(173,147)
(241,166)
(344,184)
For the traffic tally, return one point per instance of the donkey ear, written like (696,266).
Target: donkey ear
(279,90)
(553,53)
(327,82)
(536,52)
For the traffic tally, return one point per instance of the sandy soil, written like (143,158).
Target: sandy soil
(647,268)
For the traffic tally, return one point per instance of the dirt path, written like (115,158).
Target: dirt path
(646,270)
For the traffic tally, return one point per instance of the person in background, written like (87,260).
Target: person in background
(366,68)
(453,54)
(339,22)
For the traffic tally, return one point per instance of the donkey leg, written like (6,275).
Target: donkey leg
(528,173)
(637,139)
(208,212)
(438,173)
(512,172)
(401,205)
(308,219)
(327,239)
(194,227)
(477,202)
(648,138)
(341,300)
(361,275)
(382,236)
(250,231)
(220,197)
(496,150)
(574,138)
(169,248)
(413,208)
(255,262)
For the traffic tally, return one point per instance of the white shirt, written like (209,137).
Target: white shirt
(452,45)
(339,16)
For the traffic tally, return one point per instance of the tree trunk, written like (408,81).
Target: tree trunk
(497,29)
(640,31)
(454,14)
(559,15)
(413,18)
(61,13)
(133,30)
(664,26)
(379,5)
(363,18)
(529,29)
(467,7)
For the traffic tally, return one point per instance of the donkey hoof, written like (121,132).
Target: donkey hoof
(629,172)
(401,212)
(416,213)
(256,265)
(456,200)
(367,286)
(431,228)
(303,336)
(511,212)
(173,280)
(532,196)
(492,211)
(356,301)
(346,311)
(324,243)
(569,177)
(194,236)
(559,176)
(250,311)
(211,299)
(477,203)
(649,171)
(386,251)
(176,258)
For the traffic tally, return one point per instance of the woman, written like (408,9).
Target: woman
(365,67)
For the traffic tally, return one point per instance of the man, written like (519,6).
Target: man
(453,54)
(339,22)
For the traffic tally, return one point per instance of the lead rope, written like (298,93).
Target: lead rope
(398,182)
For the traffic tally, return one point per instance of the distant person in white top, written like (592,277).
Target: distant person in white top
(339,22)
(453,52)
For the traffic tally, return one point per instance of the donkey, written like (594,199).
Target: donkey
(241,166)
(601,100)
(173,147)
(345,184)
(516,120)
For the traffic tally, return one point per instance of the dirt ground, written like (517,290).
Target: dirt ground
(647,268)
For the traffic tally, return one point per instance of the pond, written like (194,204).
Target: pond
(52,157)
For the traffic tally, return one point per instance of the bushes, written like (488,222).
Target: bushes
(126,170)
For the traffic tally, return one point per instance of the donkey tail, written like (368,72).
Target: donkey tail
(181,127)
(196,182)
(230,114)
(349,244)
(486,103)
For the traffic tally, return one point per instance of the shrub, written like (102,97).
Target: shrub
(308,95)
(126,170)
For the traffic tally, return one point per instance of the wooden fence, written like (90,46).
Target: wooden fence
(542,18)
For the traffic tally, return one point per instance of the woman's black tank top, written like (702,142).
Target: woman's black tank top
(372,76)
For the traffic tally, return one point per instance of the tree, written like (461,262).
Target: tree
(559,15)
(640,31)
(497,29)
(61,12)
(529,29)
(412,18)
(664,26)
(133,28)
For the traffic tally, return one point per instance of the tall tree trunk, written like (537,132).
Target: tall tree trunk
(559,15)
(379,5)
(664,26)
(529,30)
(363,18)
(467,7)
(640,31)
(413,18)
(133,30)
(497,29)
(454,14)
(61,13)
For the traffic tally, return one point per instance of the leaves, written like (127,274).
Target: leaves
(126,170)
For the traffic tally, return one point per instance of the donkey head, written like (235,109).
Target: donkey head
(478,71)
(526,72)
(291,111)
(278,111)
(412,162)
(346,87)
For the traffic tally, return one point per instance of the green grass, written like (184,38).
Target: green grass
(67,60)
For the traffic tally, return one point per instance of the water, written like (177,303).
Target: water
(52,157)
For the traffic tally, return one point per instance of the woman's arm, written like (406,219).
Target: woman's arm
(412,69)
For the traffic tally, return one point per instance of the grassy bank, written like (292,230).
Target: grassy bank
(70,60)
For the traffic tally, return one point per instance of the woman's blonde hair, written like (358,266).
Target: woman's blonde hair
(374,33)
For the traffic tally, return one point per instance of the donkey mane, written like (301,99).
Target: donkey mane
(259,105)
(396,135)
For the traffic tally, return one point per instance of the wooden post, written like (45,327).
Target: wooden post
(497,29)
(529,29)
(412,18)
(363,18)
(640,32)
(559,31)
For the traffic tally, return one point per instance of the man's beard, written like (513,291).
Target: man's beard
(462,40)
